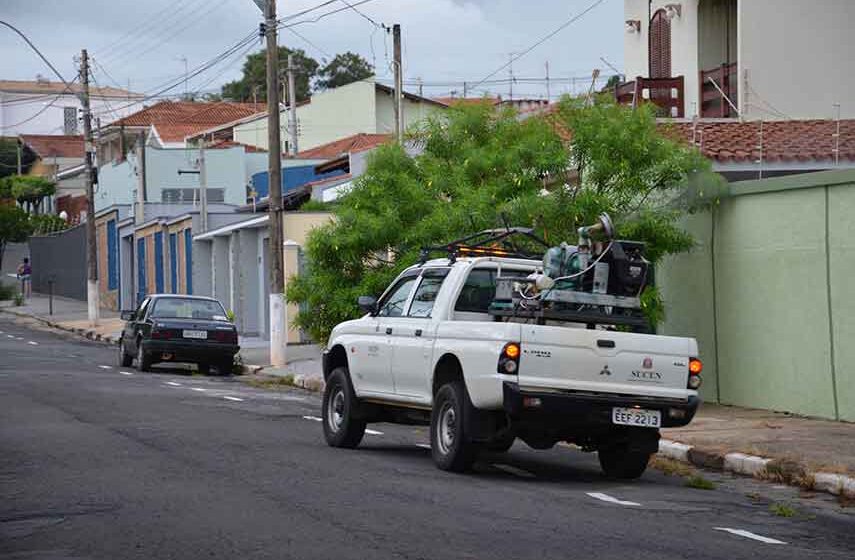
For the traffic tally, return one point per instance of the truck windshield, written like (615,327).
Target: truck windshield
(186,308)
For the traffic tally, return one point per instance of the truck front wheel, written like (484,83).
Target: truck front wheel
(621,462)
(341,428)
(451,446)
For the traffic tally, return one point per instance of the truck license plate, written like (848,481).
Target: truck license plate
(637,417)
(195,334)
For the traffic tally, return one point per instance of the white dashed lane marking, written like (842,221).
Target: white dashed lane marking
(373,432)
(611,499)
(105,367)
(314,419)
(228,398)
(126,372)
(173,384)
(201,390)
(423,445)
(32,342)
(9,336)
(749,535)
(513,470)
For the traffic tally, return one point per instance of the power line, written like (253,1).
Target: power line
(325,14)
(37,51)
(352,7)
(42,110)
(311,44)
(540,41)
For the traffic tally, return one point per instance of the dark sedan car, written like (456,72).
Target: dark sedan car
(176,328)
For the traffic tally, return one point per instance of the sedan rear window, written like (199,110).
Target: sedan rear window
(186,308)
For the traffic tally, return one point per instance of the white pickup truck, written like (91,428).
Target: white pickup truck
(429,352)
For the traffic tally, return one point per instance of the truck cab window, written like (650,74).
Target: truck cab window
(480,289)
(393,304)
(426,293)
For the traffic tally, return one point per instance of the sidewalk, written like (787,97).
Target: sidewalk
(69,315)
(303,368)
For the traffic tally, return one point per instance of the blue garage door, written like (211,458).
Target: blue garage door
(188,259)
(173,263)
(158,262)
(141,287)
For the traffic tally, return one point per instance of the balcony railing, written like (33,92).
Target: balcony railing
(713,103)
(668,94)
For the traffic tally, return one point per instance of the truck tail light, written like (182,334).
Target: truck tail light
(695,369)
(509,359)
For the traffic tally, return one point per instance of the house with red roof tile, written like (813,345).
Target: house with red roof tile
(363,107)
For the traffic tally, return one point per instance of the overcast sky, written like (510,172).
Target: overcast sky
(144,41)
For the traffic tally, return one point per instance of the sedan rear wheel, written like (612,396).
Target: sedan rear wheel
(125,359)
(143,357)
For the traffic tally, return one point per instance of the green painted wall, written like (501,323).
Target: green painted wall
(768,293)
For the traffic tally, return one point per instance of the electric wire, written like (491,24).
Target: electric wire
(540,41)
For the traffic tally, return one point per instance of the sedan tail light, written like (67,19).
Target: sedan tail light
(165,334)
(229,337)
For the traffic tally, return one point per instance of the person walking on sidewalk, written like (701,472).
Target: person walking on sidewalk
(25,272)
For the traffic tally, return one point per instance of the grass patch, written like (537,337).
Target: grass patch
(272,382)
(699,482)
(782,510)
(670,467)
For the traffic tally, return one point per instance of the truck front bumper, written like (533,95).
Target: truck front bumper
(591,408)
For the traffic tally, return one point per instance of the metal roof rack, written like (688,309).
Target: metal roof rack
(489,243)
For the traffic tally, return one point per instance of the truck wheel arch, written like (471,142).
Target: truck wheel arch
(337,358)
(447,369)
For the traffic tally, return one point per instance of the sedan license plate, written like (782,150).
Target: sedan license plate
(637,417)
(195,334)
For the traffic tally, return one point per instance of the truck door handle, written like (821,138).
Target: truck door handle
(388,330)
(606,343)
(418,332)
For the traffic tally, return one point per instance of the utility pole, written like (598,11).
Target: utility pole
(511,74)
(399,83)
(92,293)
(274,175)
(139,213)
(548,93)
(292,107)
(18,145)
(203,187)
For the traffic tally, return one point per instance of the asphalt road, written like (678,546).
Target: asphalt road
(98,461)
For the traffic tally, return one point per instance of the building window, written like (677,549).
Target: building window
(190,195)
(69,120)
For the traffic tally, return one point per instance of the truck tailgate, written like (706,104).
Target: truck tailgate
(579,359)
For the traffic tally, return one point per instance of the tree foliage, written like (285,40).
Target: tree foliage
(478,166)
(253,83)
(344,69)
(15,226)
(27,189)
(9,157)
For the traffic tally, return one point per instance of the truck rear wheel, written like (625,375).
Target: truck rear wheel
(341,429)
(621,462)
(451,447)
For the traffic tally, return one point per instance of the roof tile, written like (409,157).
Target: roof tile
(46,146)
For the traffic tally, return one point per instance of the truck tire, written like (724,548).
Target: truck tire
(125,359)
(620,462)
(451,447)
(341,428)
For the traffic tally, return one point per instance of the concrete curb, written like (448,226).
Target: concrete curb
(758,467)
(85,333)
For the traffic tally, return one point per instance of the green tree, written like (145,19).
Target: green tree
(27,189)
(9,157)
(344,69)
(253,83)
(478,166)
(15,226)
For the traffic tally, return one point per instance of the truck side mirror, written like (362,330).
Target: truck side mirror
(127,315)
(367,304)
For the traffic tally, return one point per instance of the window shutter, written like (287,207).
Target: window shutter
(660,46)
